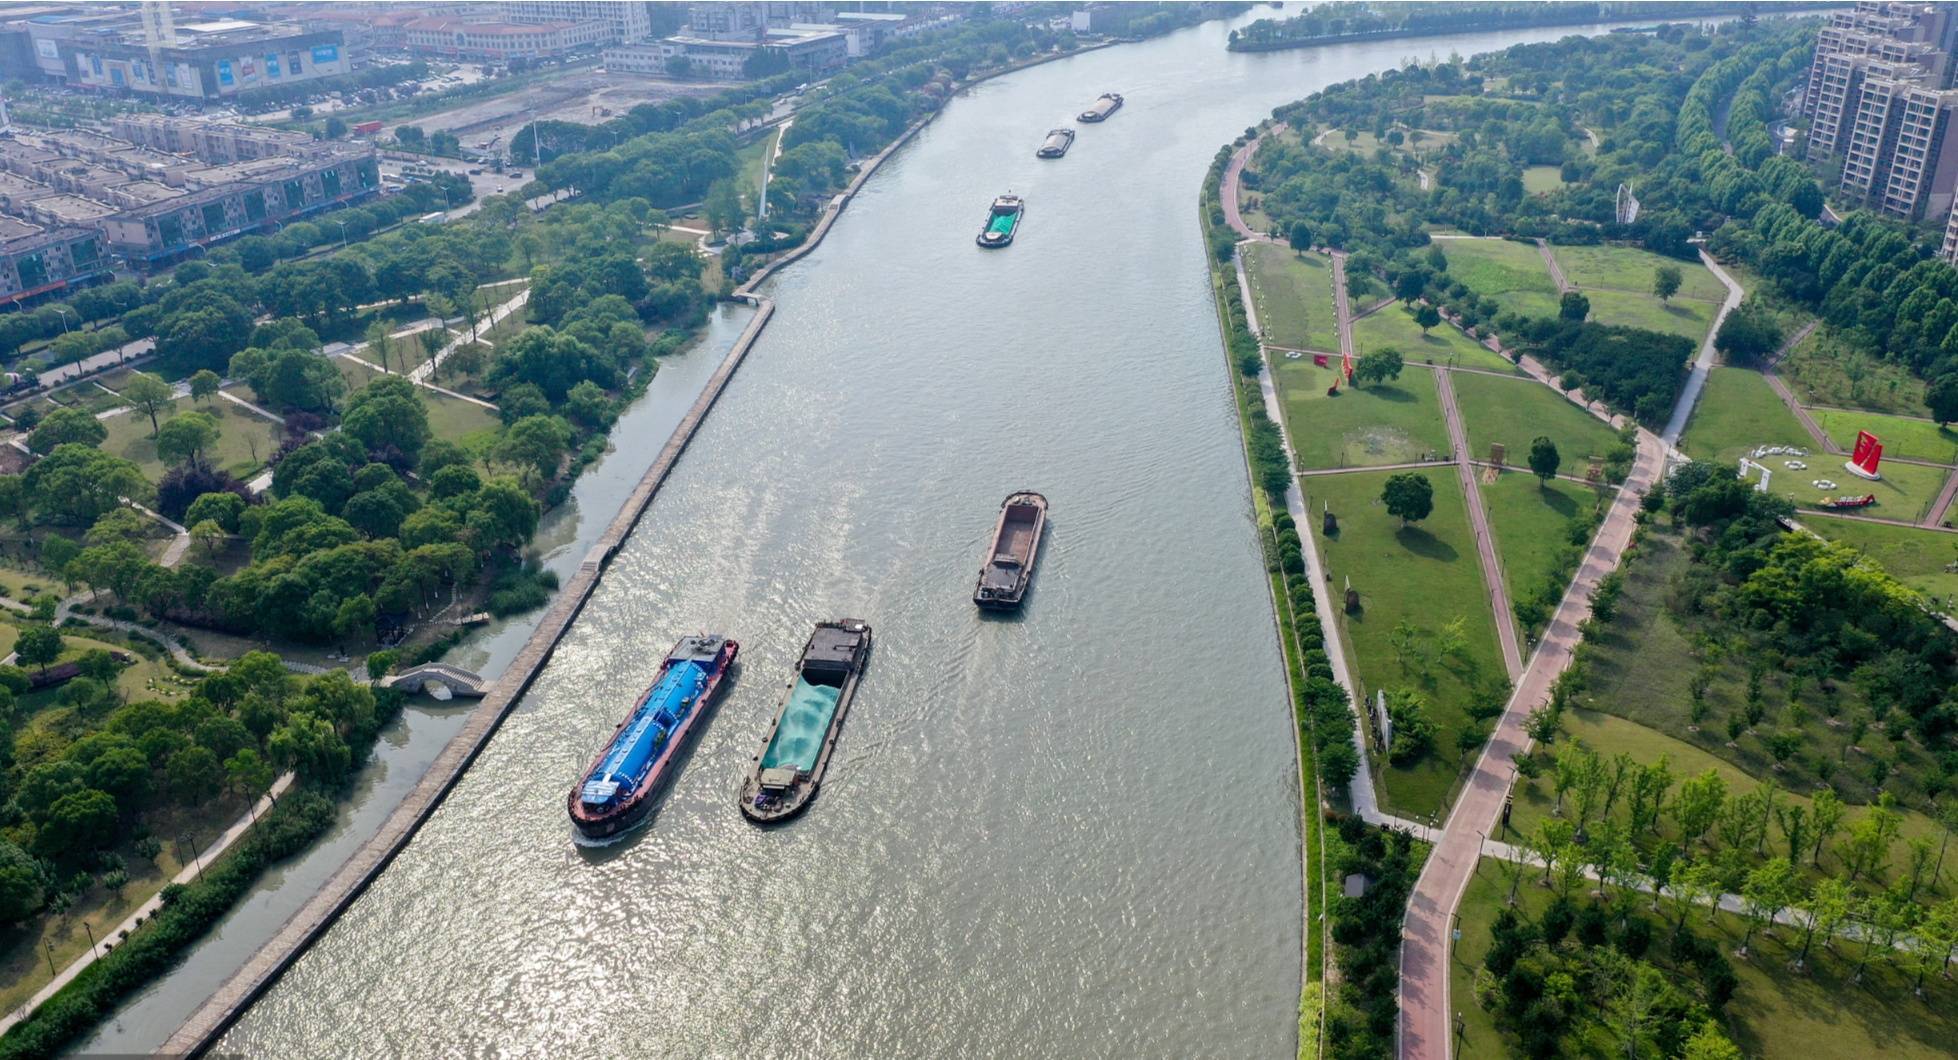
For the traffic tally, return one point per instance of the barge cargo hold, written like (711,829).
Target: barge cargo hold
(1056,144)
(1105,106)
(784,775)
(617,792)
(1002,222)
(1008,571)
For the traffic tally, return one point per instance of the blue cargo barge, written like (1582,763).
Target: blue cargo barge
(617,792)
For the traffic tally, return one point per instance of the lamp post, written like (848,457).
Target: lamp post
(91,936)
(63,312)
(196,859)
(343,233)
(48,945)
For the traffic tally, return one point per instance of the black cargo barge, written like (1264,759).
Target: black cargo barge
(784,774)
(1003,581)
(1056,144)
(1103,108)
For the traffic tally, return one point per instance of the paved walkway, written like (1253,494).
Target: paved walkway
(1228,192)
(1426,1007)
(1412,465)
(1485,539)
(1556,270)
(142,914)
(1342,307)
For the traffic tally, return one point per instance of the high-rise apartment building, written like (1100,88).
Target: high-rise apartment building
(1879,101)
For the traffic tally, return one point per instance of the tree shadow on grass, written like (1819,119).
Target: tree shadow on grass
(1418,541)
(1388,392)
(1562,503)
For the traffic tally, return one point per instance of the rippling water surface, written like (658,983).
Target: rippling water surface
(1072,833)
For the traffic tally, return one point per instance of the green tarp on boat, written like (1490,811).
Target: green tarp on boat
(799,739)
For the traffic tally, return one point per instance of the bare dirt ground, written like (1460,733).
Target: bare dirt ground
(584,97)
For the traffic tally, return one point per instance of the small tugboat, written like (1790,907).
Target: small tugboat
(1056,144)
(1104,107)
(617,792)
(1845,503)
(1002,222)
(786,772)
(1008,571)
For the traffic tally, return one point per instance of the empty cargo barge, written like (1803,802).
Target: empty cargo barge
(1056,144)
(784,775)
(615,794)
(1107,105)
(1008,571)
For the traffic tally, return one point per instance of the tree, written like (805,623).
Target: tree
(67,427)
(77,823)
(38,646)
(149,395)
(307,743)
(336,127)
(1544,460)
(1698,805)
(1381,364)
(723,207)
(1689,884)
(1827,812)
(377,340)
(185,437)
(20,884)
(1573,307)
(1410,285)
(1409,496)
(1427,316)
(204,385)
(247,772)
(1827,905)
(536,444)
(1767,891)
(388,414)
(1941,397)
(1708,1043)
(195,775)
(1748,335)
(1665,281)
(1300,236)
(220,508)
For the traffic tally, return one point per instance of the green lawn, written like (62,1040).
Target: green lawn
(752,157)
(1293,297)
(1687,317)
(1394,327)
(1823,370)
(1901,436)
(1529,519)
(1497,267)
(1540,179)
(1926,560)
(245,440)
(1426,575)
(1364,426)
(449,418)
(1631,269)
(1776,1012)
(1516,412)
(1738,412)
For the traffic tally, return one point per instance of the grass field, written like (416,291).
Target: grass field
(1425,575)
(245,439)
(1823,371)
(1686,317)
(752,157)
(1901,436)
(1776,1012)
(1384,423)
(1737,412)
(1516,412)
(1529,519)
(1509,273)
(451,419)
(1922,559)
(1394,327)
(1631,269)
(1540,179)
(1294,297)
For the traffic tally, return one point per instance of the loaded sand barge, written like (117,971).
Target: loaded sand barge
(1008,571)
(1001,222)
(784,775)
(618,790)
(1103,108)
(1056,144)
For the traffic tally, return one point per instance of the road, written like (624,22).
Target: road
(1233,216)
(1485,541)
(1702,365)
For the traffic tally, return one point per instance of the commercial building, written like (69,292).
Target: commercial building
(628,21)
(502,41)
(36,262)
(205,60)
(173,185)
(811,51)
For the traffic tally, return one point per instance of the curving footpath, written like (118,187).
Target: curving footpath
(1426,1007)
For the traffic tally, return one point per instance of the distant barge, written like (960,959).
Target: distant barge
(795,754)
(1056,144)
(1008,571)
(1104,107)
(1002,222)
(620,787)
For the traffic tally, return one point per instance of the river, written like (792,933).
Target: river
(1071,833)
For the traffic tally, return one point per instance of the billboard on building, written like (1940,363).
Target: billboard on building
(326,53)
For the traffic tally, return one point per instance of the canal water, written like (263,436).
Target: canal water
(1070,833)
